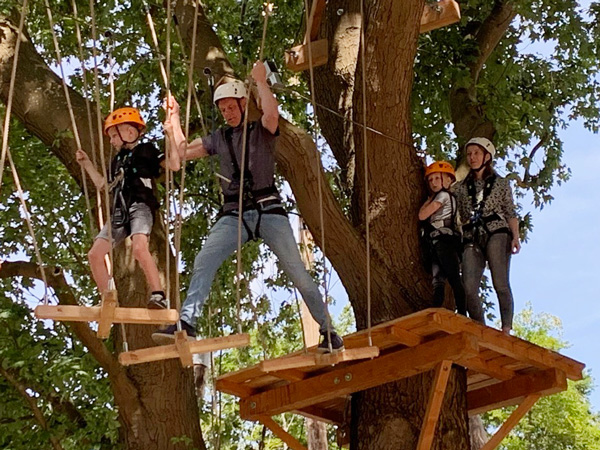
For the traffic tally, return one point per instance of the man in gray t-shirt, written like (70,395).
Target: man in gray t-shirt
(262,212)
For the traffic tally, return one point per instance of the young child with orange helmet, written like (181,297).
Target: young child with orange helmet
(131,183)
(439,231)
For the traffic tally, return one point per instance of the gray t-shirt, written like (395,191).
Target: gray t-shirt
(442,219)
(261,158)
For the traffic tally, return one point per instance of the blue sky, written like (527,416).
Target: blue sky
(556,269)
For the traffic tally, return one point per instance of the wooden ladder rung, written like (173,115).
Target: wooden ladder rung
(318,359)
(183,348)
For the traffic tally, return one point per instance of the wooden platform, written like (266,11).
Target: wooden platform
(502,370)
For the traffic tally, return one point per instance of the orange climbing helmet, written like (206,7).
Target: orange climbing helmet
(441,167)
(128,115)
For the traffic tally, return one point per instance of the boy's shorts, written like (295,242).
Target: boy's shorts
(141,220)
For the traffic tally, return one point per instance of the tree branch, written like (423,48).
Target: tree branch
(490,33)
(39,416)
(56,280)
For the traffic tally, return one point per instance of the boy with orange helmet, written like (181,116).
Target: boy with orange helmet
(438,215)
(131,182)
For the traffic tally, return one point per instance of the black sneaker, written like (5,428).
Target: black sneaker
(337,343)
(167,335)
(158,301)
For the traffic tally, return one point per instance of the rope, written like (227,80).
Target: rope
(163,71)
(70,108)
(27,216)
(366,163)
(100,141)
(179,222)
(11,91)
(309,19)
(168,174)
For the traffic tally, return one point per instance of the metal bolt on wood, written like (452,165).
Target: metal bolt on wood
(348,377)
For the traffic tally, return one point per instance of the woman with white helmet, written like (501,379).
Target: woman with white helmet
(490,230)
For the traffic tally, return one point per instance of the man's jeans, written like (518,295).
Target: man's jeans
(497,253)
(277,233)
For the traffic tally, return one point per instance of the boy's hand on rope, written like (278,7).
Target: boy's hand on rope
(259,72)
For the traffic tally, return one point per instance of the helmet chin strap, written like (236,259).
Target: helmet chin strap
(242,112)
(123,140)
(484,163)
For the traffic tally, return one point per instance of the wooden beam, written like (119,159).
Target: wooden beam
(172,351)
(359,376)
(107,314)
(290,375)
(434,406)
(439,14)
(511,422)
(405,337)
(329,415)
(297,58)
(487,367)
(513,391)
(316,13)
(141,316)
(237,389)
(286,437)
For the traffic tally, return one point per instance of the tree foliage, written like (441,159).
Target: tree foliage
(541,75)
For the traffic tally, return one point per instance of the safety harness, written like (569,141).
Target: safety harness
(478,223)
(120,211)
(257,199)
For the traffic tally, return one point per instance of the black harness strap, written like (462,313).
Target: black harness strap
(478,222)
(250,197)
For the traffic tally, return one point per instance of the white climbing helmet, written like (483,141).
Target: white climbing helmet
(231,89)
(484,143)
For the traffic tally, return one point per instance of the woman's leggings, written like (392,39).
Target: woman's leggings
(497,254)
(446,266)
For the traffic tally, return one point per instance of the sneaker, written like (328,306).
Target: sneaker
(337,343)
(158,301)
(167,335)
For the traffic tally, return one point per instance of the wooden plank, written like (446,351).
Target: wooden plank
(439,14)
(72,313)
(351,354)
(171,351)
(318,359)
(107,314)
(297,58)
(510,423)
(434,406)
(292,362)
(359,376)
(316,13)
(513,391)
(183,348)
(286,437)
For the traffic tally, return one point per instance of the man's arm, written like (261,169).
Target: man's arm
(179,148)
(270,107)
(84,161)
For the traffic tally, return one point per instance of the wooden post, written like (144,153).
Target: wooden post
(436,398)
(510,423)
(183,348)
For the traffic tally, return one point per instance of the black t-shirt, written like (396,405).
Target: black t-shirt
(140,165)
